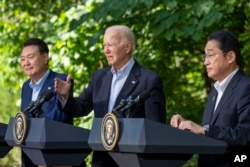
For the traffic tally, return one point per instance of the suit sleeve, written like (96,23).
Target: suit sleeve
(155,105)
(79,106)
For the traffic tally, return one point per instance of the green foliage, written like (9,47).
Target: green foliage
(170,39)
(8,104)
(13,158)
(8,108)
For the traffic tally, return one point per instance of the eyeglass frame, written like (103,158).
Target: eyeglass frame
(204,56)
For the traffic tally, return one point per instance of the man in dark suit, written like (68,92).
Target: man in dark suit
(34,62)
(227,112)
(108,86)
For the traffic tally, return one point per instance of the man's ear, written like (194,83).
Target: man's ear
(231,57)
(129,47)
(45,58)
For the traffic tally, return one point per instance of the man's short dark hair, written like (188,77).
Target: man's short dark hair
(43,47)
(228,42)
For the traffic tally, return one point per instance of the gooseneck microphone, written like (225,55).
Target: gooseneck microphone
(123,102)
(42,98)
(142,97)
(129,103)
(30,106)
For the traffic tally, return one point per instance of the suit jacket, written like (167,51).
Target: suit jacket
(96,95)
(230,121)
(49,109)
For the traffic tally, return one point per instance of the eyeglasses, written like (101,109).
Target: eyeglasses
(210,56)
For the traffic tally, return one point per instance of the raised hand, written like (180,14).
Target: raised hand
(63,87)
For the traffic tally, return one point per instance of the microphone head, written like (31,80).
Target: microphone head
(47,95)
(144,95)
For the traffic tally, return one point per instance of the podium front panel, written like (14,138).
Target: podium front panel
(44,133)
(49,142)
(139,135)
(4,147)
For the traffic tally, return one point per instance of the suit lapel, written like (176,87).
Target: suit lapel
(106,86)
(49,82)
(129,84)
(209,109)
(26,95)
(227,94)
(229,91)
(27,91)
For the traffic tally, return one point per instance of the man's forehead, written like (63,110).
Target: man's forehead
(211,46)
(29,50)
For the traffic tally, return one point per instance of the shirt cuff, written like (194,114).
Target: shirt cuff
(63,102)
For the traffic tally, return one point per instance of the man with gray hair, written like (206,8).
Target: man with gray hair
(108,86)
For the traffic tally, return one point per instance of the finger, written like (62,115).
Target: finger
(57,84)
(68,80)
(175,121)
(172,121)
(185,125)
(182,126)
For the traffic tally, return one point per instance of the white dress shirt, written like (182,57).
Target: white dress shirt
(221,86)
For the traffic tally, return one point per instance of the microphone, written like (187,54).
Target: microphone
(29,107)
(42,98)
(122,103)
(129,103)
(142,97)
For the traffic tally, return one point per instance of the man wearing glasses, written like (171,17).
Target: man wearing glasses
(227,113)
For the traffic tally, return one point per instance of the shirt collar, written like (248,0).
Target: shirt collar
(40,82)
(221,86)
(125,69)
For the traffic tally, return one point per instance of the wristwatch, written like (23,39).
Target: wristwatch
(206,128)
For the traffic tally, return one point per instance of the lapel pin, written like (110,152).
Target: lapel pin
(133,82)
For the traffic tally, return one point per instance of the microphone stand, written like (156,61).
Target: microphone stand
(38,112)
(27,114)
(34,114)
(128,111)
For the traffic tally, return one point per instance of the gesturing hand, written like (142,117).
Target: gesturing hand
(62,87)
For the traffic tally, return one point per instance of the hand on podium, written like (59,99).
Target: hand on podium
(179,122)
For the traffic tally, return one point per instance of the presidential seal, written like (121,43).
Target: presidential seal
(19,128)
(109,131)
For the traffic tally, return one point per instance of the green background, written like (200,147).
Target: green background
(171,35)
